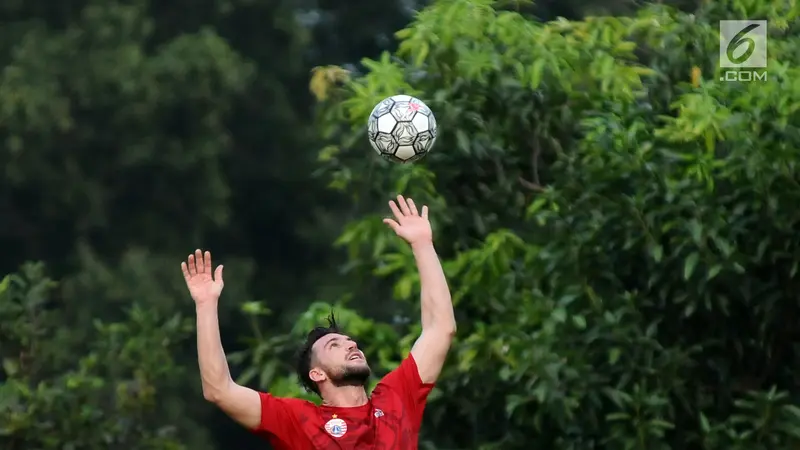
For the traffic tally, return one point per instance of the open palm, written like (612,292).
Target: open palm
(409,223)
(205,285)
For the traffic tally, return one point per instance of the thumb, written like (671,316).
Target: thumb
(218,275)
(392,224)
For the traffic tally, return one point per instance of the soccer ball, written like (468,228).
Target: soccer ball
(401,129)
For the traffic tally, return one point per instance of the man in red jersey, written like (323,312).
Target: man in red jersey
(332,366)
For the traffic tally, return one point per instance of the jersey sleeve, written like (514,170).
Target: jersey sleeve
(280,419)
(406,383)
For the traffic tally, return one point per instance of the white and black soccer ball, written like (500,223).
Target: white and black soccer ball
(402,129)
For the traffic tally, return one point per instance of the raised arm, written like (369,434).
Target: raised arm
(242,404)
(438,318)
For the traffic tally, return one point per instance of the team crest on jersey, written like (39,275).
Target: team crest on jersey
(378,413)
(336,427)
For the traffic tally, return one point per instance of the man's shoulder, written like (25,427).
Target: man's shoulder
(403,386)
(404,376)
(287,413)
(287,402)
(388,387)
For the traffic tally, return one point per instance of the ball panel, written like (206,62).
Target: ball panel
(403,112)
(392,158)
(418,106)
(382,107)
(401,98)
(415,158)
(386,123)
(405,152)
(372,131)
(420,122)
(385,143)
(374,146)
(397,160)
(432,125)
(405,133)
(422,142)
(372,138)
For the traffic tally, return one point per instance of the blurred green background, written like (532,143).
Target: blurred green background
(619,224)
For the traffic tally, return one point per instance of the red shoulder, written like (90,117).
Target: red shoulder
(405,384)
(405,376)
(281,417)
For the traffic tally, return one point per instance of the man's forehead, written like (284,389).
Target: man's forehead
(328,338)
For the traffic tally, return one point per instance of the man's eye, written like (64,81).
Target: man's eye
(334,344)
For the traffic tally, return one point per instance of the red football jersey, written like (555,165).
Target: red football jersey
(389,421)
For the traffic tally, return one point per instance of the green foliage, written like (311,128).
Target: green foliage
(94,119)
(621,238)
(104,397)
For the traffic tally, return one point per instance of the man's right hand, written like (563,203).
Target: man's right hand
(197,271)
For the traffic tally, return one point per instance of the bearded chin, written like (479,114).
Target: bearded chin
(353,376)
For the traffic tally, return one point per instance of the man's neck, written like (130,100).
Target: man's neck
(345,396)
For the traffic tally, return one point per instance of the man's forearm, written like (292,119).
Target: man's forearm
(214,370)
(436,302)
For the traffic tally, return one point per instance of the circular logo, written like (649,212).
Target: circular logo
(336,427)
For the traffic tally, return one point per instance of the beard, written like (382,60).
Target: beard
(352,376)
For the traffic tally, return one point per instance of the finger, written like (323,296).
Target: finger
(395,210)
(218,275)
(412,207)
(192,266)
(185,270)
(424,211)
(207,261)
(403,205)
(198,258)
(392,224)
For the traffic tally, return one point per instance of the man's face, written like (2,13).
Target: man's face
(336,357)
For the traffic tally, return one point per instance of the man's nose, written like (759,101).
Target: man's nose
(351,346)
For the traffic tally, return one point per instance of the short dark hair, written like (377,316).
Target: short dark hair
(305,354)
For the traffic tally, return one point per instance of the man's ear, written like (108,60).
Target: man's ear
(317,375)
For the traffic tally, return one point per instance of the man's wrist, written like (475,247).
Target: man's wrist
(206,307)
(422,246)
